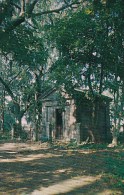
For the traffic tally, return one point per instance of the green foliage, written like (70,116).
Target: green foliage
(115,170)
(8,122)
(90,46)
(93,146)
(5,136)
(88,43)
(25,47)
(89,36)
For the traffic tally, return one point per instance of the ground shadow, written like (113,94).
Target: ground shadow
(48,171)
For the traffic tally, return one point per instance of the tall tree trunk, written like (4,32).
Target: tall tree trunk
(101,78)
(3,110)
(114,140)
(38,106)
(89,81)
(20,126)
(36,119)
(116,125)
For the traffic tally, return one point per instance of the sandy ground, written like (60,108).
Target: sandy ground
(36,169)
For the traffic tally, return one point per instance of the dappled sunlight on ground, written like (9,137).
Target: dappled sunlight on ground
(36,169)
(31,157)
(66,186)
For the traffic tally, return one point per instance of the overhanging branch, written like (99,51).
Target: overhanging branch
(16,6)
(28,13)
(56,10)
(7,88)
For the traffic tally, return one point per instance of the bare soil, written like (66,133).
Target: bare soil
(37,169)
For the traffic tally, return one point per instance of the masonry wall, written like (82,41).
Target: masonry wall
(94,120)
(70,129)
(81,119)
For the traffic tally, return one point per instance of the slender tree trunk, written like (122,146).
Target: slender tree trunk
(114,140)
(89,81)
(36,119)
(3,111)
(122,102)
(101,79)
(20,126)
(116,125)
(38,103)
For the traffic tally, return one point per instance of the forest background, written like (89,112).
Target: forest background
(74,43)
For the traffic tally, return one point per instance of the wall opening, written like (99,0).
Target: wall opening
(59,126)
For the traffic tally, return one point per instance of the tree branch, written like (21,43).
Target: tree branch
(7,88)
(22,7)
(17,6)
(89,81)
(14,77)
(21,18)
(14,23)
(65,2)
(56,10)
(29,7)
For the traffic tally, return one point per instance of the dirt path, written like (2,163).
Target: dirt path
(27,169)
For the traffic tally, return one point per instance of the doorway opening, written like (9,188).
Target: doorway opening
(59,126)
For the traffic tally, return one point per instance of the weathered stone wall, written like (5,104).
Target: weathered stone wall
(69,126)
(94,119)
(80,119)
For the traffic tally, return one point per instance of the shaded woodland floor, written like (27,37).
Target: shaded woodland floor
(36,169)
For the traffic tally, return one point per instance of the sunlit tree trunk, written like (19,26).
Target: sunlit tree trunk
(117,113)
